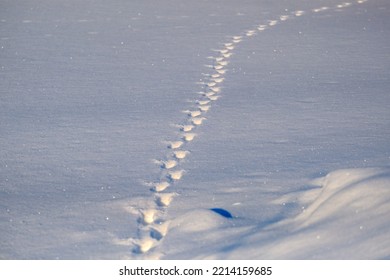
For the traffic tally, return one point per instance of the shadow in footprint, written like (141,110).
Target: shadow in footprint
(155,234)
(222,212)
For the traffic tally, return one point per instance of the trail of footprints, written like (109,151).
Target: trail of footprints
(152,225)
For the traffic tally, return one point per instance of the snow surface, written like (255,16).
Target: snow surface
(194,129)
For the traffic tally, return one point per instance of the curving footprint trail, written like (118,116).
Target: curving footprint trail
(152,225)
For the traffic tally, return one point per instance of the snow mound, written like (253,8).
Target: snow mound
(346,219)
(344,216)
(199,233)
(353,196)
(196,221)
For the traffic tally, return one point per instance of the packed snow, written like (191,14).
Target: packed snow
(195,129)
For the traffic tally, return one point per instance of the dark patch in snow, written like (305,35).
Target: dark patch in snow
(222,212)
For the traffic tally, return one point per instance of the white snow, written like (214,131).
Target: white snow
(343,218)
(292,162)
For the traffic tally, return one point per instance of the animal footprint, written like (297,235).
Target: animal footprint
(299,13)
(199,120)
(186,127)
(272,22)
(204,108)
(213,98)
(164,199)
(158,231)
(284,17)
(218,80)
(175,144)
(188,137)
(250,33)
(169,164)
(180,154)
(148,215)
(175,175)
(144,245)
(203,102)
(192,113)
(160,186)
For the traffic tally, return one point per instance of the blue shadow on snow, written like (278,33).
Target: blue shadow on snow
(222,212)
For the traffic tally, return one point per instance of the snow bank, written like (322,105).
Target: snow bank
(346,219)
(343,219)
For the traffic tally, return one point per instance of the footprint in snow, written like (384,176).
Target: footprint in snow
(272,22)
(224,51)
(144,245)
(148,216)
(158,231)
(210,93)
(250,33)
(160,186)
(215,89)
(202,102)
(185,127)
(226,55)
(166,164)
(299,13)
(165,199)
(320,9)
(204,108)
(180,154)
(221,71)
(175,175)
(188,137)
(213,98)
(192,113)
(198,120)
(230,48)
(218,80)
(284,17)
(174,144)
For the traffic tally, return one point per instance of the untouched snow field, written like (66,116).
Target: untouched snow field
(195,129)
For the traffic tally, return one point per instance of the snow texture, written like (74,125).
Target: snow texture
(195,129)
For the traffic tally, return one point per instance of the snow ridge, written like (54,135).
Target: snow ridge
(152,225)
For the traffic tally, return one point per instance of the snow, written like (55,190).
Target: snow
(194,130)
(343,220)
